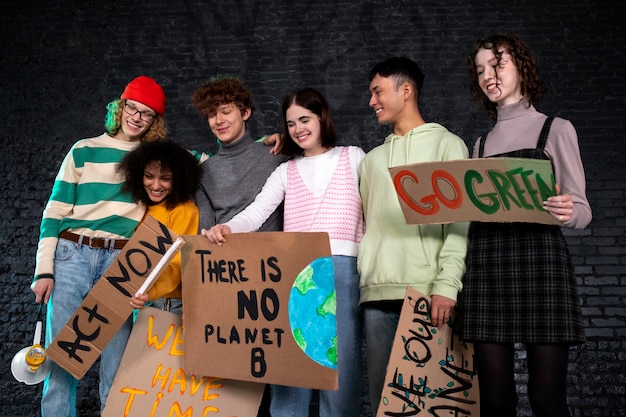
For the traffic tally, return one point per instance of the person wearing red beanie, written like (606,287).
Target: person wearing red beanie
(138,114)
(146,91)
(86,223)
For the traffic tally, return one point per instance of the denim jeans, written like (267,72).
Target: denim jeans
(175,305)
(345,402)
(77,268)
(380,330)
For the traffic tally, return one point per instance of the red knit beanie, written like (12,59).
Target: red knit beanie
(146,91)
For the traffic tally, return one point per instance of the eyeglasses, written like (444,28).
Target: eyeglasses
(131,110)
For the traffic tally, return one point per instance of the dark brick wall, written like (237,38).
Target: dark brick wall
(61,62)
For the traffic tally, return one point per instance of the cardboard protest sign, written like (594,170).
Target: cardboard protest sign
(484,189)
(105,309)
(151,380)
(429,370)
(261,308)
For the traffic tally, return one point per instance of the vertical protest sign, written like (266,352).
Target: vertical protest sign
(151,380)
(430,371)
(242,302)
(482,189)
(106,307)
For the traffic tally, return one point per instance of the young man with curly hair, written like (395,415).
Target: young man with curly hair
(234,176)
(241,163)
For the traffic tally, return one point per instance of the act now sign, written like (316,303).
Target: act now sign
(484,189)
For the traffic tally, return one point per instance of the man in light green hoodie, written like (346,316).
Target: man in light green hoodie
(392,253)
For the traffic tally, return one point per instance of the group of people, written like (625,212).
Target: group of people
(514,282)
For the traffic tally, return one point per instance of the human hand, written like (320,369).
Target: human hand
(217,234)
(139,300)
(42,289)
(560,206)
(275,139)
(440,310)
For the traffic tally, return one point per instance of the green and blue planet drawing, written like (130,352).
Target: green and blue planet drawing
(312,312)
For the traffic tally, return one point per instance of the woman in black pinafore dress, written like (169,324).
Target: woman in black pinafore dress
(520,285)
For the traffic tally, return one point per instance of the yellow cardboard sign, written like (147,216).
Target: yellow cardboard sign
(151,380)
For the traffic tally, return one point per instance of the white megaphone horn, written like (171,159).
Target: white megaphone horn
(30,364)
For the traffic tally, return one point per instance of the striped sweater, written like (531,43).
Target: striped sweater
(86,198)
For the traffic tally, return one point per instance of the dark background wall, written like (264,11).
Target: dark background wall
(61,62)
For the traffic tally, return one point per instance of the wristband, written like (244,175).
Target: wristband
(43,276)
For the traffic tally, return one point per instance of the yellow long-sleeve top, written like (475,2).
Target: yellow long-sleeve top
(182,220)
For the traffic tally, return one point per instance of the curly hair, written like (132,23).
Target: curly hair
(532,88)
(186,171)
(314,101)
(113,123)
(222,90)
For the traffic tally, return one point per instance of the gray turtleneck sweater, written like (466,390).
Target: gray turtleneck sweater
(518,127)
(232,178)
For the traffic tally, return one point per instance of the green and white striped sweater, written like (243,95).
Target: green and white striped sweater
(86,198)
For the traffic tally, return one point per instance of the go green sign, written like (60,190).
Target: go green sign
(485,189)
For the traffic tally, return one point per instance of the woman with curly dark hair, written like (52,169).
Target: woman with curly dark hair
(164,177)
(520,285)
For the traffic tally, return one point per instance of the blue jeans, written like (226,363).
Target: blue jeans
(380,330)
(175,305)
(345,402)
(77,268)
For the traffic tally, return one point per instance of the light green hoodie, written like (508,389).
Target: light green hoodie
(392,254)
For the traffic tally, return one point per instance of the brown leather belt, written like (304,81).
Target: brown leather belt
(94,242)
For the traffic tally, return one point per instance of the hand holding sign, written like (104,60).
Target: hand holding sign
(105,309)
(217,234)
(429,369)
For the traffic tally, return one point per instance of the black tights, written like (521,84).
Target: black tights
(547,370)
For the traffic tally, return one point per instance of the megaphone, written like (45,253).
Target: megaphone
(30,364)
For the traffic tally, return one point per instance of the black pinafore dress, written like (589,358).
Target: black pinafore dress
(520,285)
